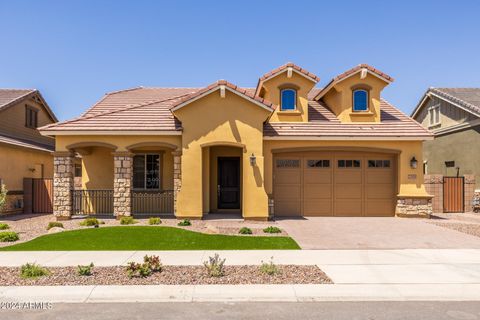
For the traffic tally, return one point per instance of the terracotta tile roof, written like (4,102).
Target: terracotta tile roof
(468,98)
(393,124)
(349,72)
(26,143)
(242,91)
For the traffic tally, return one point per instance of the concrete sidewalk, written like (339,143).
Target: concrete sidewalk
(359,275)
(248,257)
(234,293)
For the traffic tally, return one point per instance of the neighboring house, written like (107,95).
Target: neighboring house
(453,116)
(284,148)
(24,152)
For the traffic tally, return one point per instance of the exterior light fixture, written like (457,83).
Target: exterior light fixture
(413,163)
(253,160)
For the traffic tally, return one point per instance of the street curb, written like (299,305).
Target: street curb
(242,293)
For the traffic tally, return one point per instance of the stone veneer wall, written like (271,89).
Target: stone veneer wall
(177,177)
(62,184)
(122,184)
(414,207)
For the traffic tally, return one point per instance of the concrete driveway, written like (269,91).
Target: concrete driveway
(374,233)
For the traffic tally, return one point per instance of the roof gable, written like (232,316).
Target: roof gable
(467,99)
(347,74)
(224,85)
(11,97)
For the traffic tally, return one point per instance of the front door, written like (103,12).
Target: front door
(228,187)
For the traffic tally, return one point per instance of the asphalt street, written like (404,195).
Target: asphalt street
(255,310)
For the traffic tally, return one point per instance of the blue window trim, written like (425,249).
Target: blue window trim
(364,106)
(282,107)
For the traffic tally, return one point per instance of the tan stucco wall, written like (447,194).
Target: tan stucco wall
(339,99)
(229,120)
(272,89)
(16,162)
(410,181)
(12,122)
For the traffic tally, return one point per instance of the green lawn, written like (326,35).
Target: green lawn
(148,238)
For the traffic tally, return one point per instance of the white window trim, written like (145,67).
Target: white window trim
(431,111)
(145,172)
(353,100)
(281,100)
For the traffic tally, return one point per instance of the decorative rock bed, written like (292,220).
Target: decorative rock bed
(468,228)
(170,275)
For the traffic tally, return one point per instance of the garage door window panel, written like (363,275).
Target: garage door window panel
(318,163)
(379,163)
(349,163)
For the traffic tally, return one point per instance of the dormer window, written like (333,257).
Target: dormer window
(360,100)
(288,99)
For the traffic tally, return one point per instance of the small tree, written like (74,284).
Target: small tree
(3,195)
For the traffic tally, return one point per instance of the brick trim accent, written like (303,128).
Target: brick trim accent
(177,177)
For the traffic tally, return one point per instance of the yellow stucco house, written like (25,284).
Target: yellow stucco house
(24,152)
(283,148)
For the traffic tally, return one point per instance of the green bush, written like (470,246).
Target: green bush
(4,226)
(127,220)
(32,270)
(153,221)
(184,223)
(85,270)
(245,230)
(8,236)
(54,224)
(215,266)
(150,264)
(272,229)
(269,268)
(90,222)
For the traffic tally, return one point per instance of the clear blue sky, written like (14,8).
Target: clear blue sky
(75,51)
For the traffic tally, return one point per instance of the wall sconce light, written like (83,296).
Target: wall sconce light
(253,160)
(413,163)
(31,169)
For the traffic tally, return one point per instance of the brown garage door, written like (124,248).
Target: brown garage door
(334,184)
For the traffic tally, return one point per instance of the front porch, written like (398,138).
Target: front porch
(138,182)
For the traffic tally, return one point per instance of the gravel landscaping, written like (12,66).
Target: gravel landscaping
(170,275)
(468,228)
(30,226)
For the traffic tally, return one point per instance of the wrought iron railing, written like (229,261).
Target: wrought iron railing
(92,202)
(152,202)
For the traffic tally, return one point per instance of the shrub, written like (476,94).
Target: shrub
(245,230)
(32,270)
(184,223)
(269,268)
(89,222)
(85,270)
(4,226)
(3,195)
(153,262)
(215,266)
(153,221)
(150,264)
(54,224)
(127,220)
(8,236)
(272,229)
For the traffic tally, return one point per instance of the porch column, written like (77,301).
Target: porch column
(177,177)
(122,183)
(62,184)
